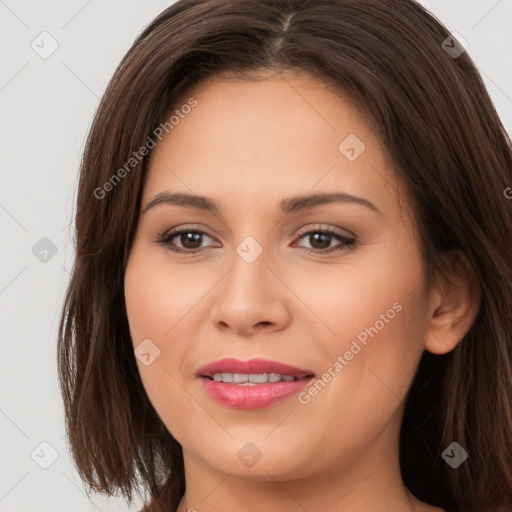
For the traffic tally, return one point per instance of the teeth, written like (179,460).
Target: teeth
(251,379)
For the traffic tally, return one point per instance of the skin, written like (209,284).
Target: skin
(247,145)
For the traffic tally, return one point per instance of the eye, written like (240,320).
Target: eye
(320,241)
(190,240)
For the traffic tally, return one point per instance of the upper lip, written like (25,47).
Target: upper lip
(253,366)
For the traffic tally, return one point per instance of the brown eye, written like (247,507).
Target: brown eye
(188,240)
(320,241)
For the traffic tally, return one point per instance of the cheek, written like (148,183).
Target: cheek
(375,298)
(157,296)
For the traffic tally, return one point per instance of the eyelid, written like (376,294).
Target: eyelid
(325,227)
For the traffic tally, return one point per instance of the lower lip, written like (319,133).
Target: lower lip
(252,397)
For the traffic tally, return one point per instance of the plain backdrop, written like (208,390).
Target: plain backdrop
(47,105)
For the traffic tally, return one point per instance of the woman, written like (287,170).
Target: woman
(292,287)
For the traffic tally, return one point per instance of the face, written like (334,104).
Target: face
(333,288)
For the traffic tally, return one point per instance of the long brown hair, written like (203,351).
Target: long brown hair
(433,114)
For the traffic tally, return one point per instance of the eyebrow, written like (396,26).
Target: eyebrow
(289,205)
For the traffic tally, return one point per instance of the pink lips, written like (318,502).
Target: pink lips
(252,397)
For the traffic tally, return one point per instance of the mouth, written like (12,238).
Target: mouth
(252,384)
(253,379)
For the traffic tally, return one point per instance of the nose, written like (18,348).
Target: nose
(251,298)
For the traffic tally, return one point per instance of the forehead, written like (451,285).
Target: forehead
(260,140)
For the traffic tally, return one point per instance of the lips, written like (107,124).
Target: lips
(254,366)
(252,384)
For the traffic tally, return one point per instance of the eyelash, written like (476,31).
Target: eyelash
(347,243)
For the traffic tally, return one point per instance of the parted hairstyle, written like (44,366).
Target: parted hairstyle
(431,111)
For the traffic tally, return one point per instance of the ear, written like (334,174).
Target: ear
(454,305)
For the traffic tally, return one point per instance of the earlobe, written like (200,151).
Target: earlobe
(454,305)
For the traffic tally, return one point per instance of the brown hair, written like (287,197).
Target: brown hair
(438,124)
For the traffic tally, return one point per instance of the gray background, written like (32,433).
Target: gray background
(47,106)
